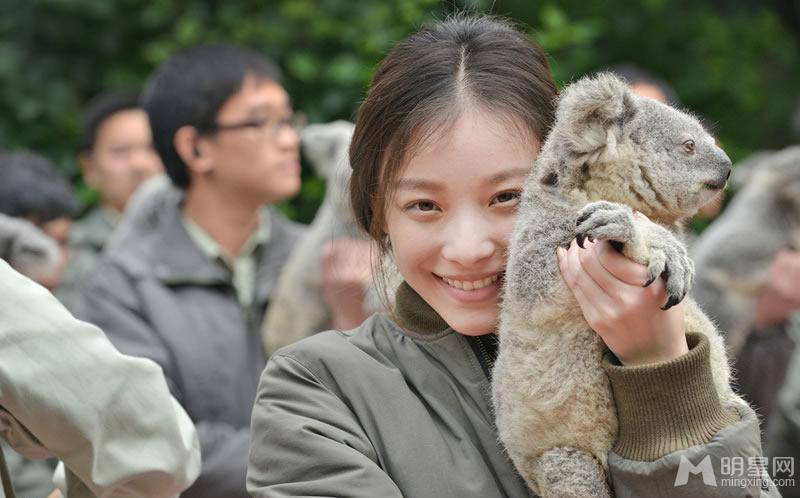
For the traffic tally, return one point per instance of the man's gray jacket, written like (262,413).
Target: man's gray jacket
(157,295)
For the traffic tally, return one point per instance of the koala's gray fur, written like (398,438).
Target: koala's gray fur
(298,308)
(734,254)
(144,208)
(609,153)
(26,248)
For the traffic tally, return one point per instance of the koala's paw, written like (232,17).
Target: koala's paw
(669,260)
(605,220)
(643,241)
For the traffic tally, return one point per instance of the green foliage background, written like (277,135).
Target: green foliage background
(735,66)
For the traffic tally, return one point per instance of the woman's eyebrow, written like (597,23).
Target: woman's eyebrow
(418,184)
(507,175)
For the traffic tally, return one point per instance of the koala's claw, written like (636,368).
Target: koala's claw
(604,220)
(676,270)
(672,301)
(644,242)
(583,217)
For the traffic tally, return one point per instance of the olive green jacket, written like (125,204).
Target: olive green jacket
(385,411)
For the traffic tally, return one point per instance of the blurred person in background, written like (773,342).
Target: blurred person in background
(38,205)
(645,84)
(33,190)
(748,270)
(116,156)
(188,285)
(48,357)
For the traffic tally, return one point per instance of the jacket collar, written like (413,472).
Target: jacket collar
(177,260)
(414,314)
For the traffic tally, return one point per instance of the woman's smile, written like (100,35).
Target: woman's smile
(469,290)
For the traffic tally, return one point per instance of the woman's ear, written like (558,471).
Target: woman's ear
(91,176)
(188,145)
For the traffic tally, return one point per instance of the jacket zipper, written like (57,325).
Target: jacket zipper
(482,354)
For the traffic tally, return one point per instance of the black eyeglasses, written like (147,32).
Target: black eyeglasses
(267,126)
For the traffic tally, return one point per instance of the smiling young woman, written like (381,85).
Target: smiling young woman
(399,406)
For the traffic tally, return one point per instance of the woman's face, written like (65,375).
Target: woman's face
(451,217)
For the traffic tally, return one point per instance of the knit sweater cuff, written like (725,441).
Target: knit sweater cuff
(667,406)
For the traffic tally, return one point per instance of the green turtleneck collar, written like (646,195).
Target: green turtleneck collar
(414,314)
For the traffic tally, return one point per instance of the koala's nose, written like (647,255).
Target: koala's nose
(724,163)
(725,173)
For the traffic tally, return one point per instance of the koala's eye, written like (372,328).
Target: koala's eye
(689,145)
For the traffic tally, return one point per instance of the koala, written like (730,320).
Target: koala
(26,248)
(144,209)
(734,254)
(298,309)
(610,154)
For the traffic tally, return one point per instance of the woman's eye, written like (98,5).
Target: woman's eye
(506,197)
(423,206)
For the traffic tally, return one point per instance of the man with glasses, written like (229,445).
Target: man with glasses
(188,286)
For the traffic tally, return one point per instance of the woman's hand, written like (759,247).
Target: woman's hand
(346,273)
(609,289)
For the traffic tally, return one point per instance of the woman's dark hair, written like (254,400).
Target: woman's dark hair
(425,83)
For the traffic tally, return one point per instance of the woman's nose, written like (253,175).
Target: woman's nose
(469,240)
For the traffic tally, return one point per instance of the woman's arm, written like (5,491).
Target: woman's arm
(670,416)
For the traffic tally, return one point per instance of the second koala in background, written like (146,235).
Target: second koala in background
(297,309)
(610,152)
(26,248)
(733,255)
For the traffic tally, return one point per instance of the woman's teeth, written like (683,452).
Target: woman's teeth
(474,285)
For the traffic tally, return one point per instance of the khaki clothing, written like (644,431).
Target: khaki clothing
(65,391)
(382,411)
(159,296)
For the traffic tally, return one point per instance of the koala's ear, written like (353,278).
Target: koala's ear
(593,109)
(325,145)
